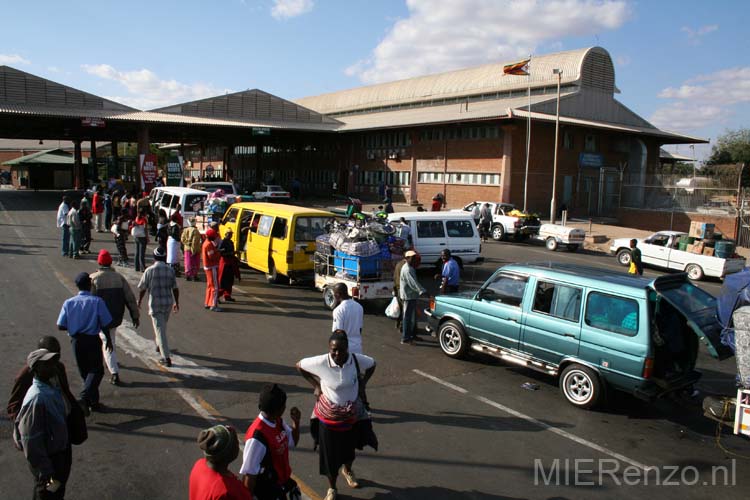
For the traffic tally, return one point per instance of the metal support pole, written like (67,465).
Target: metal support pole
(553,202)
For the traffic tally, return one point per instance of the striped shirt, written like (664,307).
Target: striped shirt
(159,279)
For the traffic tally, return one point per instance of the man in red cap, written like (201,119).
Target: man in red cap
(114,289)
(211,260)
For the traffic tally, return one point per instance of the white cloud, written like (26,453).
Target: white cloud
(622,60)
(145,90)
(284,9)
(695,35)
(680,116)
(440,35)
(13,59)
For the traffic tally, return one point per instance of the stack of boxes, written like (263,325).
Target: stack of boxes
(702,231)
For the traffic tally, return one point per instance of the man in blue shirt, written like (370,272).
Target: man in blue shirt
(450,274)
(84,316)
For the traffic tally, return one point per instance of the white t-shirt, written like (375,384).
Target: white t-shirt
(348,316)
(338,383)
(252,455)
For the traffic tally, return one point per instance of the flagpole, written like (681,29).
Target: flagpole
(528,139)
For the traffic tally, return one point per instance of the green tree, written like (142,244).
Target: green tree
(731,147)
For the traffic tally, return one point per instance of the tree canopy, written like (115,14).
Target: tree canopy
(731,147)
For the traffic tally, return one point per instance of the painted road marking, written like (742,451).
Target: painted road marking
(263,301)
(138,347)
(543,425)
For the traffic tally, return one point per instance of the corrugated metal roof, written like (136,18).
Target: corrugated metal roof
(667,155)
(481,110)
(479,80)
(48,157)
(33,145)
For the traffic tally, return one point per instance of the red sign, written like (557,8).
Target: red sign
(149,171)
(93,122)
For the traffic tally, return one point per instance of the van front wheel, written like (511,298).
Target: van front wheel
(581,386)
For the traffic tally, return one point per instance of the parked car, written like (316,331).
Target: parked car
(433,232)
(271,193)
(662,250)
(507,220)
(592,329)
(210,187)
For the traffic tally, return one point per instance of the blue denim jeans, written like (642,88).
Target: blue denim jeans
(75,242)
(409,322)
(65,233)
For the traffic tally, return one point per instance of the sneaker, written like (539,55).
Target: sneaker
(165,362)
(407,342)
(351,479)
(331,494)
(115,379)
(217,309)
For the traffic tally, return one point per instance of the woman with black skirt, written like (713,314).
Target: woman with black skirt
(338,382)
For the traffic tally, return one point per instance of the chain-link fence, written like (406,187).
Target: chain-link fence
(706,195)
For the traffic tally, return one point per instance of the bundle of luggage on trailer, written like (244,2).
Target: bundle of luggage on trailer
(703,239)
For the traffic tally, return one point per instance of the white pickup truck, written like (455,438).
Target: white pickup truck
(504,224)
(661,250)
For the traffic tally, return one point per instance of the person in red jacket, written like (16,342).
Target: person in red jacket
(265,467)
(98,210)
(211,259)
(211,478)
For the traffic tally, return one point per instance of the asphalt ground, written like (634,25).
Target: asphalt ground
(447,428)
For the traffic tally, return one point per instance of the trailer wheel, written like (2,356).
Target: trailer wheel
(551,244)
(328,299)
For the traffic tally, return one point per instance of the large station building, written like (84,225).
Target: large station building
(461,133)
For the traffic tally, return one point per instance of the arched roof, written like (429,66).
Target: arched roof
(590,67)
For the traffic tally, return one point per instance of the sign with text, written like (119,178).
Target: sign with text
(93,122)
(261,131)
(175,176)
(590,160)
(147,164)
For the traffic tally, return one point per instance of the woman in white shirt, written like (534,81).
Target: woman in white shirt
(338,382)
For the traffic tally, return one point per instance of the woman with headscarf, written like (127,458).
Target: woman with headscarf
(191,246)
(338,382)
(229,268)
(173,246)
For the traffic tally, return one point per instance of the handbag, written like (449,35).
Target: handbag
(393,310)
(77,431)
(138,231)
(115,229)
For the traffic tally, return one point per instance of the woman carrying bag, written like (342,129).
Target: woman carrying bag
(339,413)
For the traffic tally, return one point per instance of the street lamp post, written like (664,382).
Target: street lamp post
(553,202)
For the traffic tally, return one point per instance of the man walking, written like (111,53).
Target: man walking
(84,316)
(41,429)
(348,316)
(98,210)
(76,230)
(636,264)
(211,260)
(164,297)
(114,289)
(62,225)
(450,273)
(485,221)
(409,291)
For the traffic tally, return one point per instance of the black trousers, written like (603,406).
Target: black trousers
(61,464)
(88,353)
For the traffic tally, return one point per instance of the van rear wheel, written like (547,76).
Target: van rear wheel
(328,298)
(581,386)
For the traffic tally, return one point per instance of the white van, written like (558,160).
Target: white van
(164,200)
(433,232)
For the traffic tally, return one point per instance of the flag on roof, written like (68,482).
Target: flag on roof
(520,68)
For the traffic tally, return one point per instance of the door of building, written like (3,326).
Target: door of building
(609,192)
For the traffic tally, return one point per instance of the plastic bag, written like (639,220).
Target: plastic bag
(632,269)
(393,310)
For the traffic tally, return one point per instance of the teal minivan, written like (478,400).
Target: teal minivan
(594,329)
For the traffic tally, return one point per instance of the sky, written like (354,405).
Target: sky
(682,65)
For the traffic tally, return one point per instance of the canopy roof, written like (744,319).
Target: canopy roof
(48,157)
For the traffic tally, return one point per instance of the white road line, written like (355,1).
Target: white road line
(543,425)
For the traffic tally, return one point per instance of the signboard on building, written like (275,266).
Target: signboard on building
(93,122)
(209,170)
(590,160)
(147,164)
(175,176)
(261,131)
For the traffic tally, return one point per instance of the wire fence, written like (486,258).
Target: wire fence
(706,195)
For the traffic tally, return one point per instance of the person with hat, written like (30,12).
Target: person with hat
(229,267)
(84,316)
(211,260)
(409,291)
(265,470)
(160,282)
(114,289)
(191,243)
(211,478)
(41,429)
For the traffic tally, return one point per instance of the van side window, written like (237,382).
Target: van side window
(430,229)
(505,289)
(279,228)
(558,300)
(614,314)
(254,223)
(460,228)
(264,227)
(231,216)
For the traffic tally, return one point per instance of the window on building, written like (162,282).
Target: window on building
(567,139)
(613,314)
(591,143)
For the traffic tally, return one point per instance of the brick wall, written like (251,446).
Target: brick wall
(657,220)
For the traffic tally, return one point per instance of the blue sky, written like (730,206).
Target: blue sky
(684,65)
